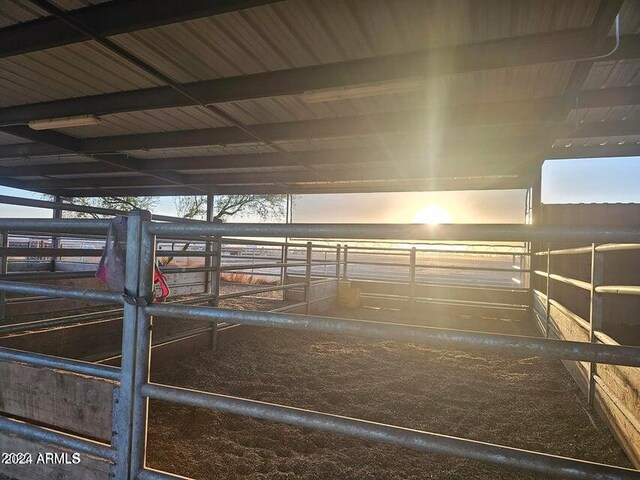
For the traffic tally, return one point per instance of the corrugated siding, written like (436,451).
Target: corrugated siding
(16,11)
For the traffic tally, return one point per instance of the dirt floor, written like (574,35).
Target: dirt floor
(526,403)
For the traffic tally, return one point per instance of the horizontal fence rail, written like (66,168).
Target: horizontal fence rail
(405,437)
(565,350)
(130,413)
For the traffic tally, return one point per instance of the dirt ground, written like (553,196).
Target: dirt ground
(526,403)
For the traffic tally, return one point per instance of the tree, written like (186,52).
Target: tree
(113,203)
(265,207)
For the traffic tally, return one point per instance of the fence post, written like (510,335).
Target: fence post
(345,262)
(4,261)
(131,408)
(55,241)
(412,278)
(213,276)
(338,262)
(549,293)
(596,320)
(307,290)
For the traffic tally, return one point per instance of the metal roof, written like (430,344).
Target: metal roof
(494,88)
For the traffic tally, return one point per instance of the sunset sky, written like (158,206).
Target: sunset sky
(607,180)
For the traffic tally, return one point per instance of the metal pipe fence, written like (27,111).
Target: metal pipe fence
(135,390)
(596,290)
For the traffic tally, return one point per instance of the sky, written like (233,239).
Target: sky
(603,180)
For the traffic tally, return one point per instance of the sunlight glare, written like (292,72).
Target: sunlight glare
(432,215)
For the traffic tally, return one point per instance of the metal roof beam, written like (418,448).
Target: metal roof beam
(392,151)
(366,172)
(111,18)
(515,112)
(71,144)
(594,151)
(515,51)
(489,183)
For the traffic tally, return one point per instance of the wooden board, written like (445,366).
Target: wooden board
(56,399)
(617,390)
(89,468)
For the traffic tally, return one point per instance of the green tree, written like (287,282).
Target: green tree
(265,207)
(114,203)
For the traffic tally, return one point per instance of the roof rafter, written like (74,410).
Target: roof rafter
(111,18)
(509,52)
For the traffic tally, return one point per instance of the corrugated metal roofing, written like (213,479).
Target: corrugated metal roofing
(299,33)
(16,11)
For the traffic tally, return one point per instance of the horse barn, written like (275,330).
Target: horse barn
(297,348)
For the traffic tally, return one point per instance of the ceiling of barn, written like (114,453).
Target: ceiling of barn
(204,97)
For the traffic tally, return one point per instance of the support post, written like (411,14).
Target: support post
(338,262)
(55,241)
(345,263)
(131,411)
(549,293)
(596,321)
(307,290)
(213,276)
(4,261)
(412,278)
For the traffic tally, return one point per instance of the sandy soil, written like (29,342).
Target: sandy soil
(526,403)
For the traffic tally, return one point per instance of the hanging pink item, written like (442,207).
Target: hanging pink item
(111,269)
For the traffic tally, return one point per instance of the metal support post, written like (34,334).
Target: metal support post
(344,264)
(412,278)
(55,241)
(338,262)
(213,276)
(596,322)
(547,324)
(307,289)
(130,418)
(4,261)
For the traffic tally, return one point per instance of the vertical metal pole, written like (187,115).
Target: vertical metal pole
(307,291)
(209,261)
(135,340)
(55,241)
(549,293)
(345,263)
(143,353)
(412,278)
(4,261)
(596,320)
(338,262)
(213,276)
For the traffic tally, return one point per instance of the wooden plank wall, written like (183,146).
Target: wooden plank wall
(57,399)
(62,401)
(89,468)
(617,389)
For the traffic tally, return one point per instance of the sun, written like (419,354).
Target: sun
(432,215)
